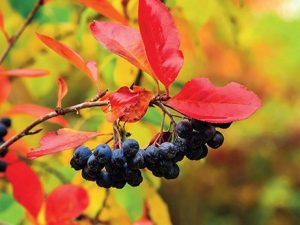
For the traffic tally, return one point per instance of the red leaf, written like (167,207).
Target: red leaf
(62,140)
(37,111)
(65,203)
(24,73)
(201,100)
(5,88)
(161,40)
(62,91)
(123,41)
(2,26)
(128,105)
(105,8)
(69,54)
(27,188)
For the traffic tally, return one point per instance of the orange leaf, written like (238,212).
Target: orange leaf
(37,111)
(2,26)
(24,72)
(62,91)
(72,56)
(5,88)
(105,8)
(61,140)
(128,105)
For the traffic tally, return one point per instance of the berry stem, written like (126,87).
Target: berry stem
(117,135)
(16,36)
(166,111)
(62,111)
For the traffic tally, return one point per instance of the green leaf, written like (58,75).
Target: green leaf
(11,212)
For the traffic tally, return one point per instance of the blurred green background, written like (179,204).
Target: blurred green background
(252,179)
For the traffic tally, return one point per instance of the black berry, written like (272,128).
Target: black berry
(195,140)
(6,121)
(118,159)
(3,130)
(137,162)
(118,184)
(198,124)
(173,172)
(207,132)
(136,180)
(88,174)
(216,141)
(80,157)
(130,147)
(94,165)
(222,125)
(3,166)
(197,154)
(151,154)
(102,153)
(167,150)
(184,129)
(104,180)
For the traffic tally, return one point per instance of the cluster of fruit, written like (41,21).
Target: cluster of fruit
(116,168)
(5,123)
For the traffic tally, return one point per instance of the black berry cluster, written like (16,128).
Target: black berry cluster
(120,166)
(5,123)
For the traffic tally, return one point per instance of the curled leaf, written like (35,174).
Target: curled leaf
(61,140)
(201,100)
(62,91)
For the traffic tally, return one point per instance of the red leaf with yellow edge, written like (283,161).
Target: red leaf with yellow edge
(61,140)
(105,8)
(161,40)
(123,41)
(24,72)
(201,100)
(5,88)
(27,188)
(128,105)
(62,91)
(65,203)
(72,56)
(37,111)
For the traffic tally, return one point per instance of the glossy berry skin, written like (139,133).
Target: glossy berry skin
(195,141)
(80,157)
(88,174)
(6,121)
(222,125)
(3,166)
(3,130)
(181,146)
(173,172)
(118,159)
(130,148)
(104,180)
(137,162)
(207,132)
(151,154)
(197,154)
(167,150)
(102,153)
(165,165)
(216,141)
(184,129)
(94,165)
(136,180)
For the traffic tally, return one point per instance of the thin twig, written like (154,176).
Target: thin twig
(16,36)
(55,113)
(165,110)
(104,204)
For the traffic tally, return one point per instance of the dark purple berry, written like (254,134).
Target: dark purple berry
(173,172)
(102,153)
(184,129)
(118,159)
(6,121)
(152,154)
(198,124)
(197,154)
(137,180)
(130,148)
(137,162)
(3,130)
(131,173)
(88,174)
(118,184)
(80,157)
(207,132)
(167,150)
(3,166)
(195,141)
(94,165)
(222,125)
(181,146)
(216,141)
(104,180)
(165,165)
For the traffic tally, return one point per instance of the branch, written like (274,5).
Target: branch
(55,113)
(104,204)
(16,36)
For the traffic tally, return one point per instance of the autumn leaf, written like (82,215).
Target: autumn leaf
(128,105)
(27,188)
(62,91)
(201,100)
(63,139)
(123,41)
(65,203)
(5,88)
(2,26)
(161,40)
(105,8)
(24,72)
(72,56)
(37,111)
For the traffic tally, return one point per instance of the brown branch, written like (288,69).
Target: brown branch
(55,113)
(16,36)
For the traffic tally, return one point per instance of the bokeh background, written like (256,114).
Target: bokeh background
(252,179)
